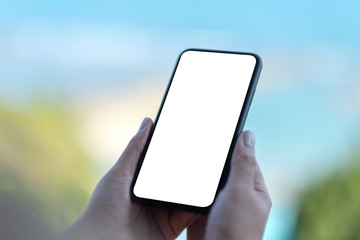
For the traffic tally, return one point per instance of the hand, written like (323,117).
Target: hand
(240,211)
(110,213)
(243,206)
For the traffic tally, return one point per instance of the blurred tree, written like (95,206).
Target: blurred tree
(331,209)
(42,166)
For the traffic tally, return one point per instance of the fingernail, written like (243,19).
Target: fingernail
(249,139)
(144,122)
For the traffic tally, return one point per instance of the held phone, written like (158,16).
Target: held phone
(187,157)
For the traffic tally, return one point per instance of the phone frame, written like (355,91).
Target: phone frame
(238,129)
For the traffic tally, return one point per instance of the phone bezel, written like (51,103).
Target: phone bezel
(239,127)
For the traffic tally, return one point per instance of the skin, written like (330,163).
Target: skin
(240,211)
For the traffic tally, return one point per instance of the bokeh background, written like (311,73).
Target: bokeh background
(77,78)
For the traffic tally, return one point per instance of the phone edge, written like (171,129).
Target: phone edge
(240,124)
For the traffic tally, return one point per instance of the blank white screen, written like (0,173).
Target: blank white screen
(188,149)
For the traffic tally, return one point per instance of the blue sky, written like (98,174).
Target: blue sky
(281,22)
(306,110)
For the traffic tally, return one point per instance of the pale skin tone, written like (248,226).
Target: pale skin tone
(240,211)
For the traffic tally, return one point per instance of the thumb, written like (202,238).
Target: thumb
(243,162)
(129,158)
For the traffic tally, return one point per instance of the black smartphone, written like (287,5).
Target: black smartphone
(187,156)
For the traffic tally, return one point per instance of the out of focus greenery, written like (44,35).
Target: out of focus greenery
(330,209)
(42,165)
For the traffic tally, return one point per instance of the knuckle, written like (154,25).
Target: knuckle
(136,144)
(248,156)
(269,202)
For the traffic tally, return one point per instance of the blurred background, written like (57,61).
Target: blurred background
(77,78)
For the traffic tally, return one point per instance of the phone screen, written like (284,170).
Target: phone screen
(195,127)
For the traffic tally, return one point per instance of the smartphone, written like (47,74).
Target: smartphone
(186,160)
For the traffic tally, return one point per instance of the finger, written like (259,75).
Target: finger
(172,223)
(243,162)
(260,185)
(197,227)
(180,220)
(130,157)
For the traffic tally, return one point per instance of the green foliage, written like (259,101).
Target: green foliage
(331,209)
(41,164)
